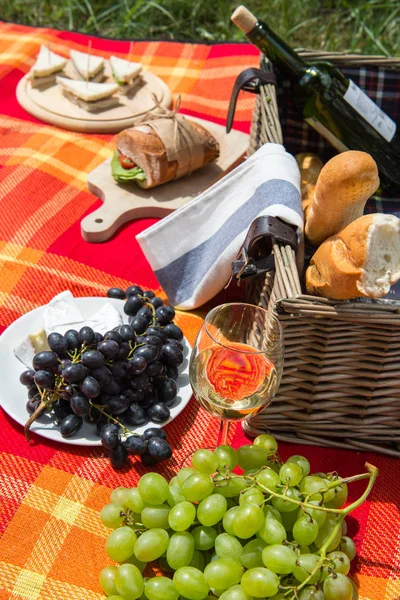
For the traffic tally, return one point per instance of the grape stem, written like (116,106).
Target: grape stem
(125,430)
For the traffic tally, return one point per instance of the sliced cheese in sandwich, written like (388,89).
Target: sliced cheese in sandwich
(88,66)
(88,91)
(124,71)
(47,63)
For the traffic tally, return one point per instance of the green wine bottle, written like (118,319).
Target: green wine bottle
(332,104)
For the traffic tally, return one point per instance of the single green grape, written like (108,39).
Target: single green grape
(318,515)
(304,550)
(341,560)
(155,516)
(305,565)
(173,481)
(160,588)
(129,582)
(312,484)
(252,457)
(227,546)
(120,543)
(267,442)
(341,494)
(270,512)
(330,494)
(204,537)
(311,592)
(118,495)
(347,546)
(279,559)
(236,592)
(344,527)
(283,505)
(302,461)
(182,516)
(183,474)
(227,457)
(248,520)
(151,544)
(211,510)
(305,530)
(325,532)
(134,501)
(197,487)
(197,560)
(251,496)
(252,554)
(268,478)
(338,587)
(180,550)
(112,515)
(229,518)
(223,573)
(175,495)
(153,488)
(205,461)
(272,532)
(107,580)
(260,582)
(234,486)
(291,473)
(191,583)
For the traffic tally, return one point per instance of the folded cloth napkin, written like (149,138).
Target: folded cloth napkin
(191,250)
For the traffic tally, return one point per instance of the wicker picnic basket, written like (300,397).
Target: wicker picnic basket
(341,380)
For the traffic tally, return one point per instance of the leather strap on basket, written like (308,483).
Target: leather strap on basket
(249,80)
(255,257)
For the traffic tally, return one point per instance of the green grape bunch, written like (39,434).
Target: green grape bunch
(272,530)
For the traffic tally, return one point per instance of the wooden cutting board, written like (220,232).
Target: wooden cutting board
(125,202)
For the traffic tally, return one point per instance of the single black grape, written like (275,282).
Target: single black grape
(139,382)
(127,333)
(113,387)
(90,387)
(171,355)
(109,436)
(45,379)
(102,374)
(139,324)
(72,338)
(70,425)
(137,364)
(148,460)
(175,343)
(32,405)
(155,369)
(159,413)
(108,348)
(154,330)
(151,432)
(167,391)
(172,372)
(165,314)
(159,448)
(93,359)
(133,290)
(65,362)
(33,392)
(116,293)
(45,360)
(112,335)
(153,340)
(26,378)
(148,352)
(173,331)
(146,313)
(119,369)
(135,415)
(132,305)
(149,294)
(157,302)
(118,456)
(58,343)
(74,373)
(60,412)
(135,444)
(86,335)
(98,337)
(116,405)
(100,424)
(80,405)
(123,351)
(65,395)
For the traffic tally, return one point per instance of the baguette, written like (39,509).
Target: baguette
(361,260)
(342,190)
(144,147)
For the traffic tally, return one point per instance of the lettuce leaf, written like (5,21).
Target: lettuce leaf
(122,175)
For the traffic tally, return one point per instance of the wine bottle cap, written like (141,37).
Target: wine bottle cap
(244,19)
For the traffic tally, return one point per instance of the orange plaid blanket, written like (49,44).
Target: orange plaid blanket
(52,541)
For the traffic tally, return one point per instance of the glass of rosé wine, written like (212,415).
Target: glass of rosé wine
(236,362)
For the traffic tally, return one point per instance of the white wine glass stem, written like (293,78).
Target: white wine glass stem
(224,432)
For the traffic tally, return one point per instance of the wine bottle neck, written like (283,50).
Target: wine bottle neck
(280,53)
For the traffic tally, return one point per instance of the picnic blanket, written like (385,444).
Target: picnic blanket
(52,541)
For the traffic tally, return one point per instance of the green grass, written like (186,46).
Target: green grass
(364,26)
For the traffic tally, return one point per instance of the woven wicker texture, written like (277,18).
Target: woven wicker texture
(341,384)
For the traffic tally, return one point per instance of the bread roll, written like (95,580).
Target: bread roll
(145,148)
(361,260)
(342,190)
(310,166)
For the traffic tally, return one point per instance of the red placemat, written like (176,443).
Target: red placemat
(52,543)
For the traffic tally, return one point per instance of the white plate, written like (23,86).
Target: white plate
(13,395)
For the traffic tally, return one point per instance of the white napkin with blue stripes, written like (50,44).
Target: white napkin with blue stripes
(191,250)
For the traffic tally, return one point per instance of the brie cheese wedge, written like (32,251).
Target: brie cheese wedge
(62,314)
(31,345)
(106,318)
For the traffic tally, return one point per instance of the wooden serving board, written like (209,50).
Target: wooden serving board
(50,105)
(125,202)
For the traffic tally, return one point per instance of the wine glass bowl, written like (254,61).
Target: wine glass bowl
(237,360)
